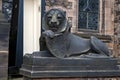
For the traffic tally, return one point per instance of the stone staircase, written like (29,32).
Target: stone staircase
(4,42)
(4,33)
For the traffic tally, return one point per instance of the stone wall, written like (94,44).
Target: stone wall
(0,5)
(117,28)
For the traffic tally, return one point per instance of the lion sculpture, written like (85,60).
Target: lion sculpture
(63,44)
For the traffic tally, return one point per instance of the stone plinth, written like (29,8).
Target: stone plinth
(35,67)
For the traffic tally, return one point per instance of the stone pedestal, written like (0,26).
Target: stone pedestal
(36,67)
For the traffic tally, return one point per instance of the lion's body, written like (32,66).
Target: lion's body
(68,45)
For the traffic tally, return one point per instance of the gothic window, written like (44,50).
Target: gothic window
(88,14)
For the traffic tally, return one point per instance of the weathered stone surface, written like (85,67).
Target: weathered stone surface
(3,65)
(4,33)
(117,28)
(35,66)
(4,41)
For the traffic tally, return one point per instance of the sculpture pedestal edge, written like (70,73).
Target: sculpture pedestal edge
(35,66)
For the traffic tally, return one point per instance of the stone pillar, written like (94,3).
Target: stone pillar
(109,25)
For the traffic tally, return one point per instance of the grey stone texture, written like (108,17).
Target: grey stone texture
(36,66)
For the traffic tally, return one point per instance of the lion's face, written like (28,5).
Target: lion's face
(54,19)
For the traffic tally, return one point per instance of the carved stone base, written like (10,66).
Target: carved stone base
(35,66)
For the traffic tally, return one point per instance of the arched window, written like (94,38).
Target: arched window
(88,14)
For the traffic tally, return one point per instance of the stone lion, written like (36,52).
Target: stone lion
(62,44)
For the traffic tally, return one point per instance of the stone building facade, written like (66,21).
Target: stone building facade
(108,28)
(117,28)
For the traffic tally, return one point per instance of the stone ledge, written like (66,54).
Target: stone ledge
(104,38)
(66,74)
(110,78)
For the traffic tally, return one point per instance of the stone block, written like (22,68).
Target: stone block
(35,66)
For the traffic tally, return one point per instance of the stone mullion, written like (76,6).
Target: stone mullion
(103,17)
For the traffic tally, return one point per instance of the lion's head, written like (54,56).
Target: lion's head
(55,20)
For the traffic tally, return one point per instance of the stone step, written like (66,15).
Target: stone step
(4,29)
(4,33)
(1,15)
(2,18)
(3,46)
(3,58)
(3,21)
(4,41)
(3,73)
(3,65)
